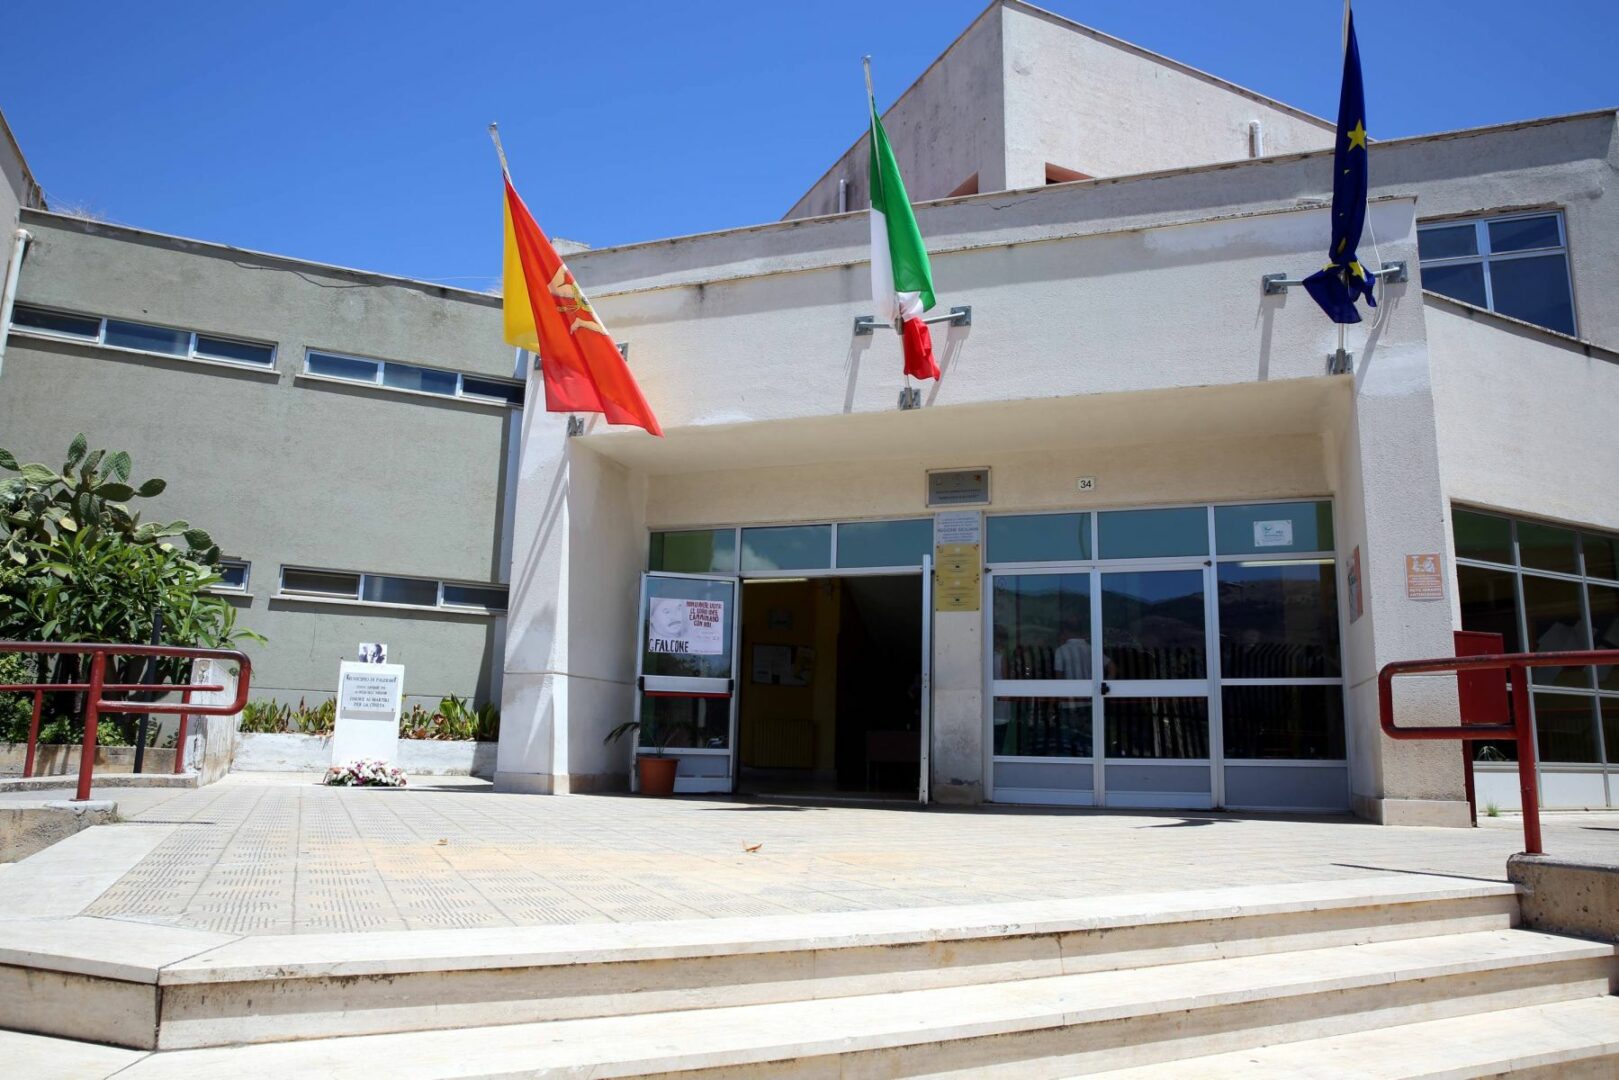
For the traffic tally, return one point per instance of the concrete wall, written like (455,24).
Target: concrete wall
(17,189)
(946,127)
(1022,88)
(1526,417)
(282,469)
(1085,101)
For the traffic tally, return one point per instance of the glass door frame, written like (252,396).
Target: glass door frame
(691,686)
(1159,688)
(1092,688)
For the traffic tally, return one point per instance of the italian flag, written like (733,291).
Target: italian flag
(901,280)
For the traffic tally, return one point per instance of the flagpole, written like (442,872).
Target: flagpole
(871,96)
(494,134)
(1344,52)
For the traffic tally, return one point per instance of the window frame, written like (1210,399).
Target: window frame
(1485,257)
(99,340)
(245,589)
(381,365)
(361,576)
(1592,690)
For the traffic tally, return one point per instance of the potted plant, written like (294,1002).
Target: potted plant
(655,772)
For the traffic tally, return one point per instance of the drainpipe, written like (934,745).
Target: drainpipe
(843,195)
(8,298)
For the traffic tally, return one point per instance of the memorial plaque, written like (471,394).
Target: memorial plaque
(368,699)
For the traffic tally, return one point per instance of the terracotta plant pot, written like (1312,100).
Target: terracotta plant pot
(657,774)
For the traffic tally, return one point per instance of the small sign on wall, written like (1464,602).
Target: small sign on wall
(1423,581)
(1278,533)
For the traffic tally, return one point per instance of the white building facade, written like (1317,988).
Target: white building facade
(1139,546)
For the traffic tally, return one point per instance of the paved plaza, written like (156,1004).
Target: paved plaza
(278,854)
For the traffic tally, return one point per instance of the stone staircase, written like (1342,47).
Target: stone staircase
(1395,976)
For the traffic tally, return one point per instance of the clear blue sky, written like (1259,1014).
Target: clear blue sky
(353,132)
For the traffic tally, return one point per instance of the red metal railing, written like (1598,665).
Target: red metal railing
(95,689)
(1519,730)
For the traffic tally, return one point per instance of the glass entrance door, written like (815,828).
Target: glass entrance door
(686,685)
(1154,687)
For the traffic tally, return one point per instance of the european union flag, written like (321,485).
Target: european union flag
(1344,280)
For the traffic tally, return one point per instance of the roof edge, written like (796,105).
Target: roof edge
(32,181)
(1553,337)
(370,277)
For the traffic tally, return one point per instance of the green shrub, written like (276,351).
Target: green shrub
(454,720)
(15,709)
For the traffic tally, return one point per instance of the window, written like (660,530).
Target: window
(233,576)
(300,583)
(884,543)
(1515,265)
(693,551)
(143,337)
(412,377)
(790,547)
(1017,538)
(1153,534)
(1546,587)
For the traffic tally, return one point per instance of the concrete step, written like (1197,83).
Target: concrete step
(172,988)
(1568,1040)
(1028,1028)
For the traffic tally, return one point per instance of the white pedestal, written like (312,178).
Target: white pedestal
(368,697)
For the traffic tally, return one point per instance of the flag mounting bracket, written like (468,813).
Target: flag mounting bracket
(1393,273)
(865,325)
(576,426)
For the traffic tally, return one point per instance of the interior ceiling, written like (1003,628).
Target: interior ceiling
(1291,407)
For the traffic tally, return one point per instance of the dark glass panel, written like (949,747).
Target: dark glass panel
(695,551)
(1489,601)
(1556,621)
(1278,621)
(399,590)
(1273,528)
(159,339)
(1565,725)
(684,722)
(1447,241)
(1601,555)
(1042,626)
(1610,728)
(341,367)
(1484,537)
(420,379)
(242,352)
(1299,723)
(1153,625)
(1464,282)
(512,392)
(55,322)
(791,547)
(884,543)
(1522,234)
(1042,727)
(1153,534)
(1534,290)
(1039,538)
(1546,547)
(492,597)
(1605,630)
(1157,727)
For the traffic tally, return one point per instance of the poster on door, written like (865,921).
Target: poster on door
(685,627)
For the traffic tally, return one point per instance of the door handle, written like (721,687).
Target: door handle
(1106,689)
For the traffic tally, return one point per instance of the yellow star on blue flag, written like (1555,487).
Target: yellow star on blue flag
(1343,280)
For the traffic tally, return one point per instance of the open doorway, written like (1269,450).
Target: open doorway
(831,686)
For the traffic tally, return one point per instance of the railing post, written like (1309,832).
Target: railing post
(1528,781)
(180,739)
(33,734)
(92,713)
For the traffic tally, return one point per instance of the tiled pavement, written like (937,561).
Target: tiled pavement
(266,855)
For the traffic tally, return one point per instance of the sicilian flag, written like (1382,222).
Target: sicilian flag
(901,280)
(546,313)
(1343,280)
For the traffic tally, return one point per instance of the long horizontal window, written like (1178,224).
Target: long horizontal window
(1516,265)
(304,583)
(412,377)
(1546,587)
(143,337)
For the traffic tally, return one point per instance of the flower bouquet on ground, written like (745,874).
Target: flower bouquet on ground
(364,774)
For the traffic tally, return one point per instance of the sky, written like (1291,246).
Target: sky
(354,131)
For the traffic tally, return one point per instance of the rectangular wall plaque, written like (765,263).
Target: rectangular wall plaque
(958,487)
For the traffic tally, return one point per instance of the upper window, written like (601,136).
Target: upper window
(143,337)
(233,575)
(1515,266)
(412,377)
(297,582)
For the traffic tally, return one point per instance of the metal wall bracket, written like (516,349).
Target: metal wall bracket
(910,398)
(576,426)
(624,350)
(1340,363)
(1393,273)
(864,325)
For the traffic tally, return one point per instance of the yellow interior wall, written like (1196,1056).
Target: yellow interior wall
(811,607)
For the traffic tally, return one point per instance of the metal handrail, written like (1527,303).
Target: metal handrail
(1520,731)
(95,702)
